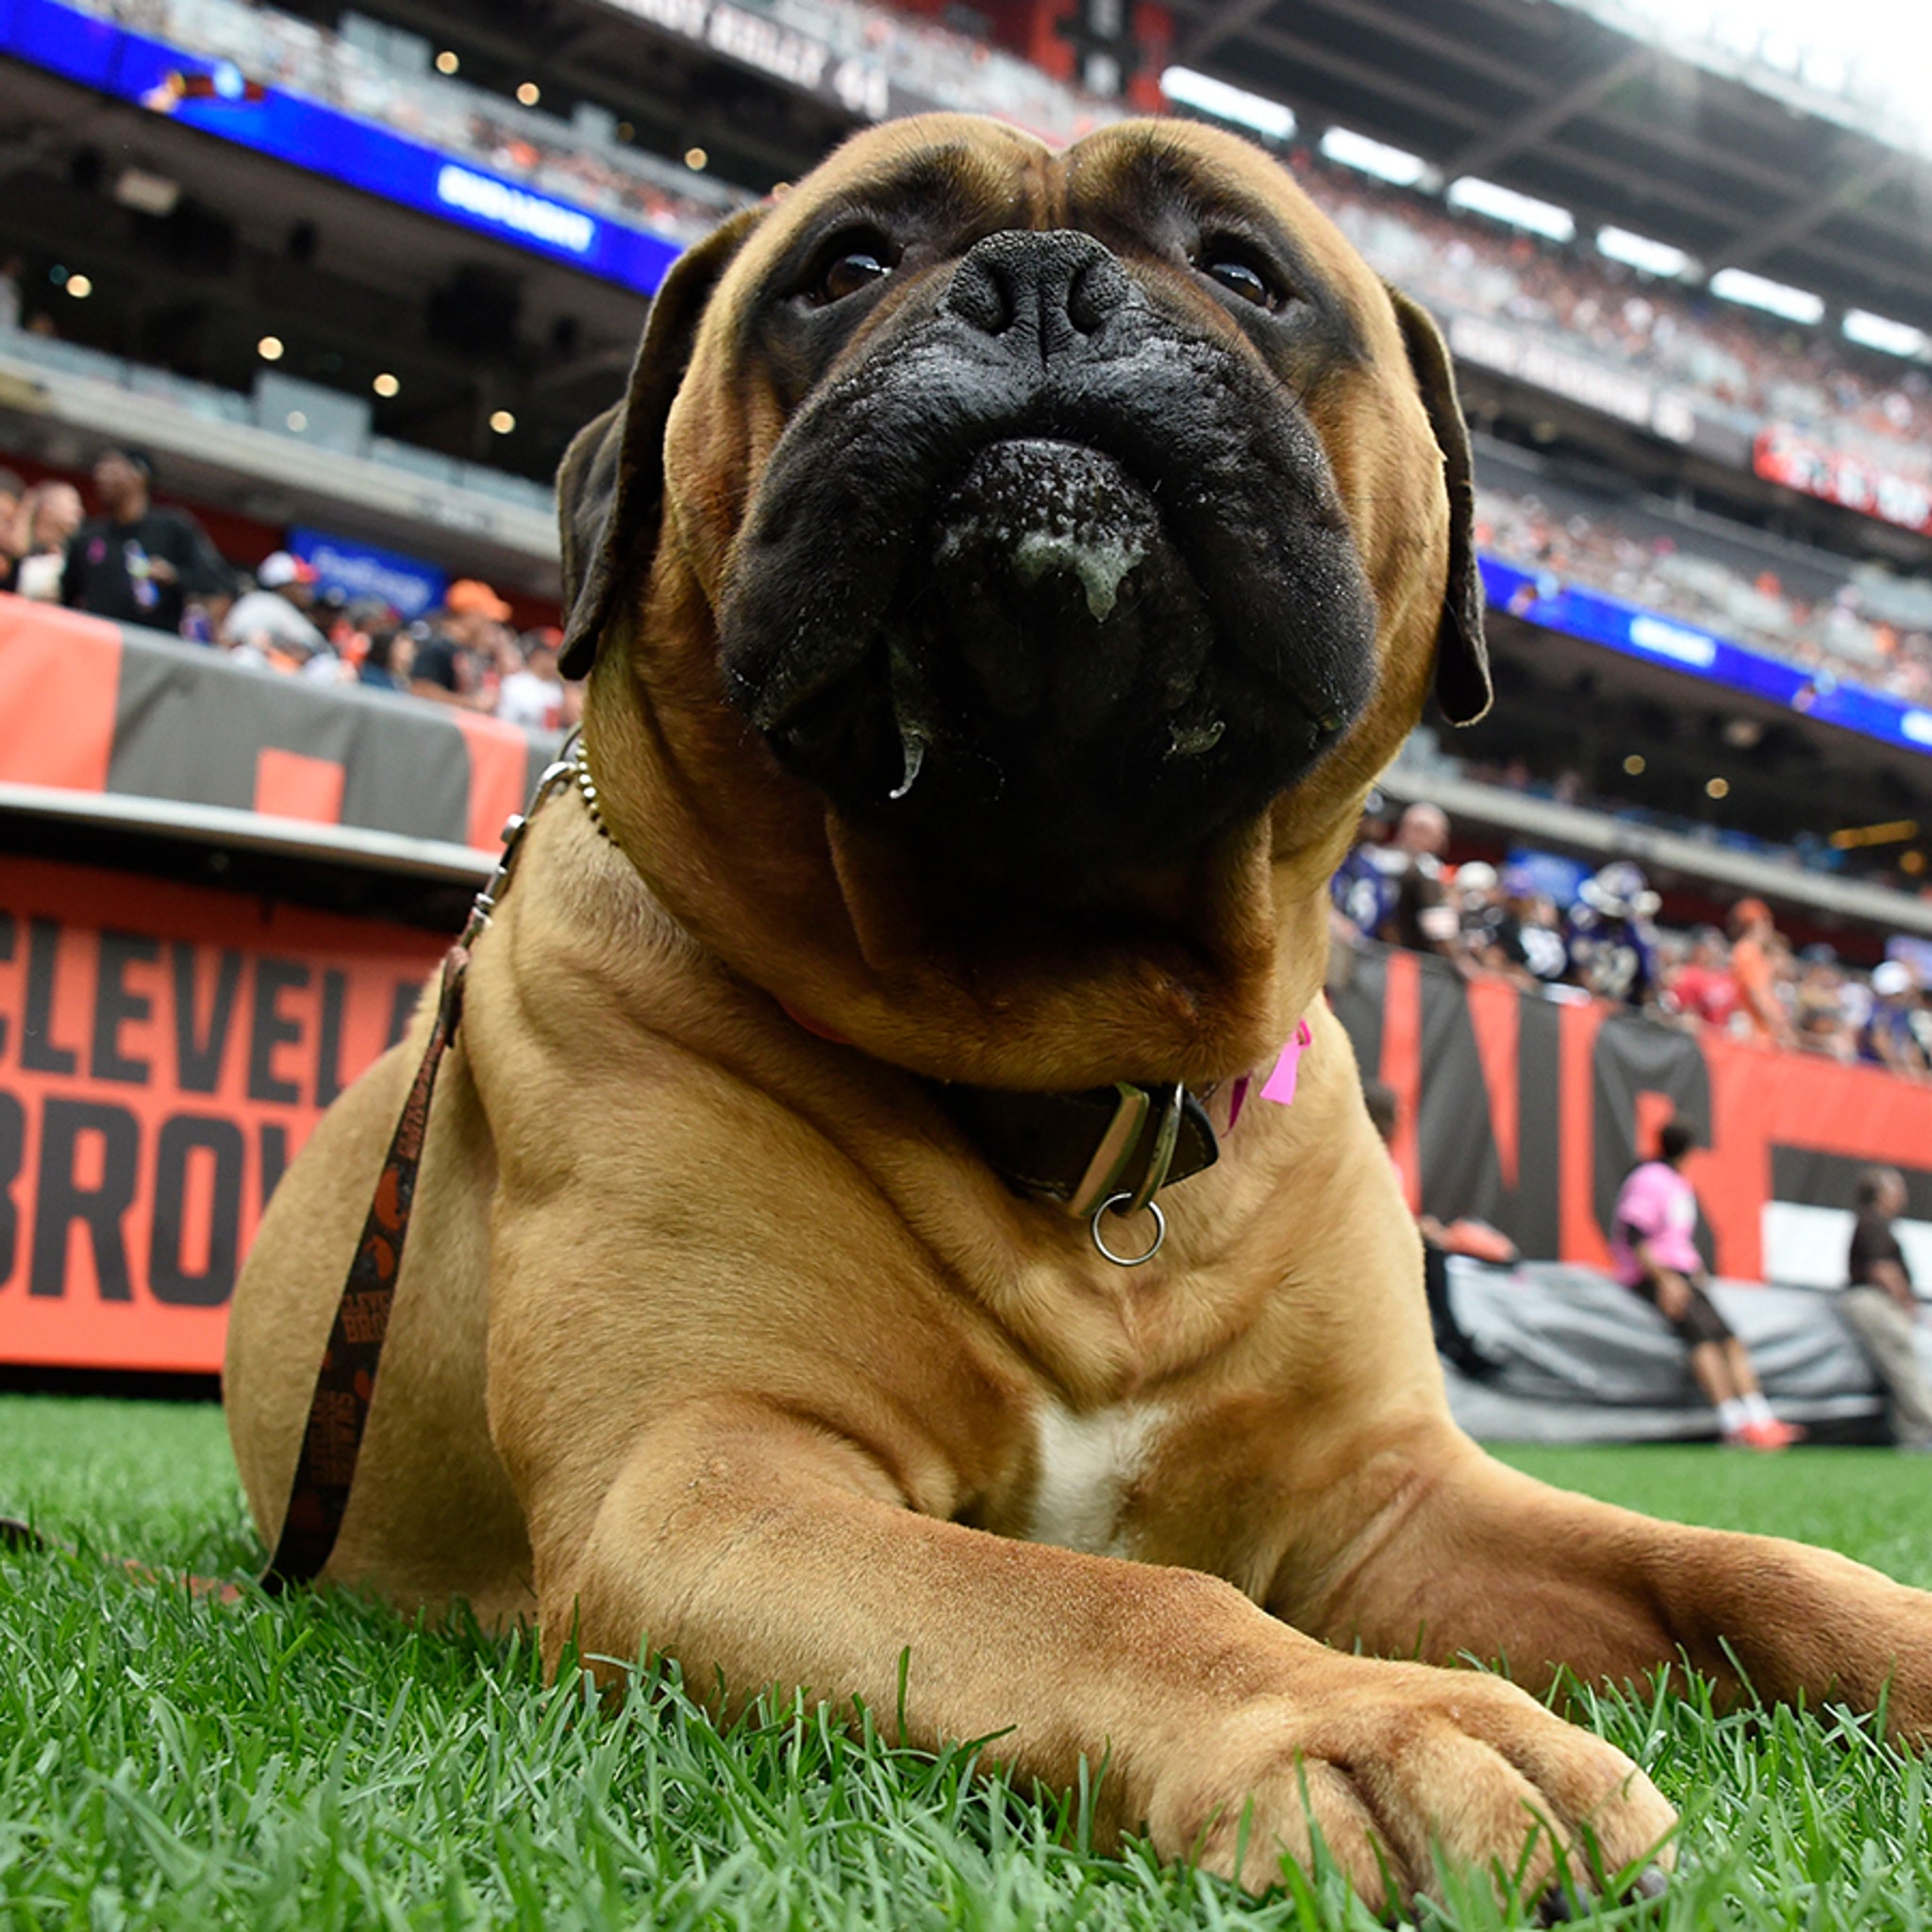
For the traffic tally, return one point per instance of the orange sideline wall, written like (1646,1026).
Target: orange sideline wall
(165,1051)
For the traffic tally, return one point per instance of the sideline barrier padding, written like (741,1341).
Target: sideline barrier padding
(92,707)
(1579,1359)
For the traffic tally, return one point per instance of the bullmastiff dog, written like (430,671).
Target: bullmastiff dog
(999,588)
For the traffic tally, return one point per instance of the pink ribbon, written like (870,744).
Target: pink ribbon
(1280,1084)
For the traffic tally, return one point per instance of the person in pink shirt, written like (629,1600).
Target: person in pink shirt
(1655,1254)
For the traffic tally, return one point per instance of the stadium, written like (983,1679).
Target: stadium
(302,306)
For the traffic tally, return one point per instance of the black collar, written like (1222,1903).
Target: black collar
(1105,1146)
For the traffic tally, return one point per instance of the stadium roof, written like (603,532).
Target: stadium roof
(1554,103)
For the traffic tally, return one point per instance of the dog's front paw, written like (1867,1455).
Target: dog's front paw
(1402,1770)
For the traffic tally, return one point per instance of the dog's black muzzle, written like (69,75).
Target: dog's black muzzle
(1048,575)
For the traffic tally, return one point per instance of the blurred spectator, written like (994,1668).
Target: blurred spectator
(270,625)
(533,693)
(135,562)
(386,663)
(1821,1013)
(1702,987)
(36,544)
(1889,1034)
(1654,1255)
(1539,929)
(12,491)
(1360,893)
(1612,942)
(1454,1342)
(1756,952)
(1881,1308)
(1489,932)
(1416,914)
(461,646)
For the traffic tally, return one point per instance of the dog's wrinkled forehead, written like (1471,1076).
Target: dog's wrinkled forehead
(1149,191)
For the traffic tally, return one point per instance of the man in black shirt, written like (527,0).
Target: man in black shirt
(136,563)
(1881,1308)
(456,662)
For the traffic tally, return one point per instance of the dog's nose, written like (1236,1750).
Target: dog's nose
(1061,286)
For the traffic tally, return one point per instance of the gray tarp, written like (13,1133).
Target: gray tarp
(1584,1361)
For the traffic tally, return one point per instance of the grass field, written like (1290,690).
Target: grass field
(316,1762)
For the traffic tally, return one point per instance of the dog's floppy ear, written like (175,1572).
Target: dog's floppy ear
(1462,659)
(611,483)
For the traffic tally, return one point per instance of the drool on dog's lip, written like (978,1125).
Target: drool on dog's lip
(1035,507)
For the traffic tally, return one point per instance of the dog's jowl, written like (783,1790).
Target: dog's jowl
(998,589)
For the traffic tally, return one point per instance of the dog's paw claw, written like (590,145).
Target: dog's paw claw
(1553,1907)
(1652,1882)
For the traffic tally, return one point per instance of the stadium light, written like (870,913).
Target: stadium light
(1640,252)
(1351,150)
(1225,102)
(1776,298)
(1506,205)
(1895,338)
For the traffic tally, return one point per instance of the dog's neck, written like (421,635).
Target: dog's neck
(925,972)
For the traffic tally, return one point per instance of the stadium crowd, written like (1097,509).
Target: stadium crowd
(1541,923)
(137,561)
(882,62)
(466,652)
(1751,369)
(1662,571)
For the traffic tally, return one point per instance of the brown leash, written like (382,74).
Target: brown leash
(346,1382)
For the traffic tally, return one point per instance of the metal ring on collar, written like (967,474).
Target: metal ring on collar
(1107,1207)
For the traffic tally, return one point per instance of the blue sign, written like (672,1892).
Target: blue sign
(361,570)
(217,98)
(1540,598)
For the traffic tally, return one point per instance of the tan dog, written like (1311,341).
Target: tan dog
(1006,577)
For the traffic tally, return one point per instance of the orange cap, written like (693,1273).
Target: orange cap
(469,598)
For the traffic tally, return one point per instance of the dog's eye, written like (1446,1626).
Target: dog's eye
(1238,272)
(850,266)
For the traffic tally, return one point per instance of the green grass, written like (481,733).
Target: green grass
(167,1761)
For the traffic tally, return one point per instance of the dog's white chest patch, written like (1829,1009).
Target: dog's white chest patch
(1087,1465)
